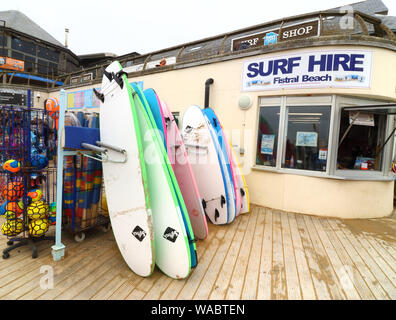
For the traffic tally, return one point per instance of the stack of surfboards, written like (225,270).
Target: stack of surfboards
(158,197)
(219,177)
(147,210)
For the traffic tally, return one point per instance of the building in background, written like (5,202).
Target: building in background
(308,103)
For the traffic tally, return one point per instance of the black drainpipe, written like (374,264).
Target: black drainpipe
(208,82)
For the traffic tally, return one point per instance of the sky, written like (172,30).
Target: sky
(124,26)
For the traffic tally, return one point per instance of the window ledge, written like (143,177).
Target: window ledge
(350,176)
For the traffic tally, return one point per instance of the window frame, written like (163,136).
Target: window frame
(353,174)
(336,103)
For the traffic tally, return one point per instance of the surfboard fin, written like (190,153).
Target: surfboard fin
(99,95)
(215,122)
(242,192)
(222,201)
(204,204)
(217,214)
(107,74)
(118,79)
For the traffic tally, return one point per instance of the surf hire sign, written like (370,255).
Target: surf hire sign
(335,68)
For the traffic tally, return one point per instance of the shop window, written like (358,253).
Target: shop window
(23,46)
(267,138)
(16,55)
(307,138)
(361,141)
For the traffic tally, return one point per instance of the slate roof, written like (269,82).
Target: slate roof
(18,21)
(370,7)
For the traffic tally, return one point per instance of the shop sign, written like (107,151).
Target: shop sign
(13,97)
(320,69)
(11,64)
(292,32)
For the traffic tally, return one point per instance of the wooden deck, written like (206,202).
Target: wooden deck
(265,254)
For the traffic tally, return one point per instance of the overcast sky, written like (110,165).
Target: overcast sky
(123,26)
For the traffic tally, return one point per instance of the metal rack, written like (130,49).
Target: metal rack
(73,211)
(27,138)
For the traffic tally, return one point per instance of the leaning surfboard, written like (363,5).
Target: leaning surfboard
(184,175)
(126,183)
(227,170)
(242,186)
(154,103)
(205,164)
(172,244)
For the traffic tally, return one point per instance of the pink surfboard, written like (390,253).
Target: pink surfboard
(238,200)
(181,166)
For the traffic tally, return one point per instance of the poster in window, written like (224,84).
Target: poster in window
(267,144)
(361,119)
(306,139)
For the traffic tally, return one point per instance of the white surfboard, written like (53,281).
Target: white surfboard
(229,187)
(126,183)
(205,164)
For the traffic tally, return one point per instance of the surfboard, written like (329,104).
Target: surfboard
(243,189)
(184,175)
(126,184)
(154,103)
(173,180)
(205,164)
(172,245)
(228,175)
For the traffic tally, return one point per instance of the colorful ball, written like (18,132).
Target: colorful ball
(39,161)
(35,195)
(13,191)
(10,215)
(12,166)
(16,207)
(3,208)
(11,228)
(38,227)
(38,210)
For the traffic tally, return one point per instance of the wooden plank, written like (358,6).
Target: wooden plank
(348,266)
(25,279)
(221,285)
(125,288)
(235,287)
(76,272)
(361,265)
(250,286)
(144,286)
(175,286)
(217,263)
(306,278)
(278,276)
(292,279)
(196,276)
(63,268)
(344,277)
(264,289)
(321,268)
(373,255)
(111,286)
(94,276)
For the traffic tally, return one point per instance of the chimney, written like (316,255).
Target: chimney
(66,36)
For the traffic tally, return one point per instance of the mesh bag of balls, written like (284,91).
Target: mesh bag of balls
(37,212)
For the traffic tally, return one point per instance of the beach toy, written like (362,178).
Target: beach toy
(35,195)
(38,210)
(38,227)
(52,213)
(12,191)
(39,161)
(12,166)
(12,227)
(14,206)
